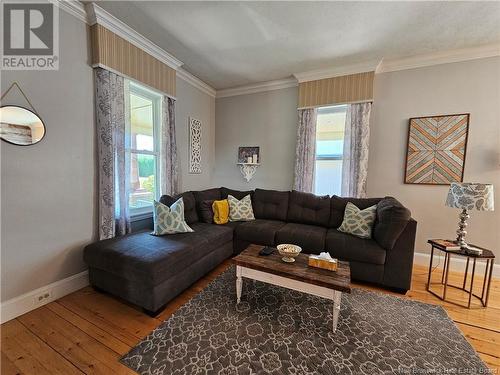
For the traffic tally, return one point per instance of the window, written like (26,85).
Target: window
(143,132)
(330,127)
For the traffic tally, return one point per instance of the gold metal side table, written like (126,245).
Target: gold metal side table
(486,256)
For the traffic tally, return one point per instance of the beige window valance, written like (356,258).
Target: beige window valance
(115,53)
(353,88)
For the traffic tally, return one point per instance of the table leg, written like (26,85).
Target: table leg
(472,281)
(239,284)
(447,265)
(430,269)
(336,308)
(466,272)
(487,268)
(444,267)
(489,283)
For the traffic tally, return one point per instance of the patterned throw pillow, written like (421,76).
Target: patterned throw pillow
(358,222)
(240,210)
(169,220)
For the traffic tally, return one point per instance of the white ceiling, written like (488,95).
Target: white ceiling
(228,44)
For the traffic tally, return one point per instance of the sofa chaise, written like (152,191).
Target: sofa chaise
(149,271)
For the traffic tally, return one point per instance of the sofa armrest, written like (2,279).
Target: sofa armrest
(399,260)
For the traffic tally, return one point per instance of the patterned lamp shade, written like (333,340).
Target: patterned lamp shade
(470,196)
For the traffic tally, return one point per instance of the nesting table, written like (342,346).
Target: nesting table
(487,257)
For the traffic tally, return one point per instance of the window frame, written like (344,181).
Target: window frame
(329,157)
(156,99)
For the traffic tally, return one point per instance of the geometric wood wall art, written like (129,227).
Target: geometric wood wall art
(194,146)
(436,149)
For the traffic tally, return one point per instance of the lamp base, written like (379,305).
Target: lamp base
(461,232)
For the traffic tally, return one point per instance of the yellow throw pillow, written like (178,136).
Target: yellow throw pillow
(221,211)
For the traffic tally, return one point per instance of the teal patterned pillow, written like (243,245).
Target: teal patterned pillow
(240,210)
(358,222)
(169,220)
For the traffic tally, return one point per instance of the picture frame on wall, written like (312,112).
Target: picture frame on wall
(436,149)
(249,155)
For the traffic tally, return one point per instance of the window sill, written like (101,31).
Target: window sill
(141,216)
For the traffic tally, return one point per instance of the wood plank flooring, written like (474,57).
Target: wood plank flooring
(87,332)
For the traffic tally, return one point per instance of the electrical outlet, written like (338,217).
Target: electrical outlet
(42,297)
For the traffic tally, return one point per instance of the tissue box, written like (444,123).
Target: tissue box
(327,264)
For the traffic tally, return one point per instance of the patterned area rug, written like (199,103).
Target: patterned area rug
(279,331)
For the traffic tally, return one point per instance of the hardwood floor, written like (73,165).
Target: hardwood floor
(87,331)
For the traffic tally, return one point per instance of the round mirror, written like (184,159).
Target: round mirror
(20,126)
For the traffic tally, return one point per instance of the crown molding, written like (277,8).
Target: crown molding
(73,7)
(98,15)
(196,82)
(336,71)
(258,87)
(437,58)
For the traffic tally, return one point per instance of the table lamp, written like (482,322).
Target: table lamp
(469,196)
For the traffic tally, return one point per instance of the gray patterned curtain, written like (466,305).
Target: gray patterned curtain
(114,218)
(305,154)
(168,154)
(355,155)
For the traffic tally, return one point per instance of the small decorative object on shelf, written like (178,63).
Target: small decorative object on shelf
(469,196)
(323,260)
(484,255)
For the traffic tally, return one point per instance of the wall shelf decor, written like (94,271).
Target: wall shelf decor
(194,146)
(436,149)
(248,161)
(248,170)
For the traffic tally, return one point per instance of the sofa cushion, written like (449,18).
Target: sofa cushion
(308,208)
(270,204)
(206,195)
(190,214)
(207,212)
(392,218)
(346,247)
(310,238)
(337,205)
(150,260)
(260,232)
(238,194)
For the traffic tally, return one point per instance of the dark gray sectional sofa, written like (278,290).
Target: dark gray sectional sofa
(149,271)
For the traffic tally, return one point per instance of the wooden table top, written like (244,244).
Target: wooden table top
(299,270)
(487,254)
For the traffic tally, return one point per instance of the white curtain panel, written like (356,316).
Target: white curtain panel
(355,155)
(114,217)
(168,151)
(305,155)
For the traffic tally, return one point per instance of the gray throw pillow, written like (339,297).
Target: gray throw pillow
(358,222)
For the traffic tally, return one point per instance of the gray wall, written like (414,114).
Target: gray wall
(192,102)
(268,120)
(471,86)
(48,189)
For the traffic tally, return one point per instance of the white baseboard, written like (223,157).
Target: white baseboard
(26,302)
(456,263)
